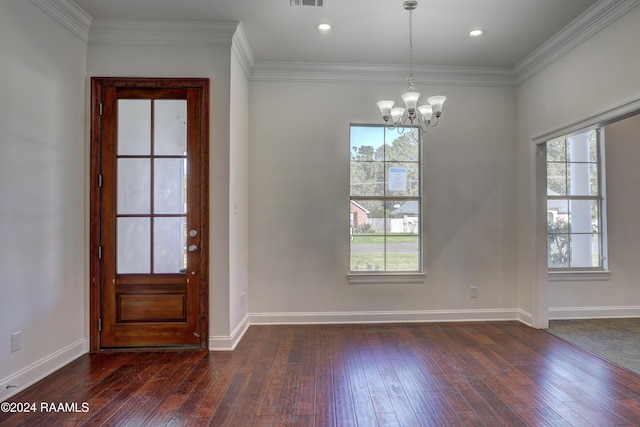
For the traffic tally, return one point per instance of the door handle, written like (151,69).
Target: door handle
(193,248)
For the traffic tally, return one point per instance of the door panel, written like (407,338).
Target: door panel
(152,210)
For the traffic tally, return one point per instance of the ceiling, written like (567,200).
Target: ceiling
(371,31)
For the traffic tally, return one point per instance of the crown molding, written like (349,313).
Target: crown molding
(362,73)
(67,14)
(231,34)
(163,32)
(594,19)
(242,50)
(603,118)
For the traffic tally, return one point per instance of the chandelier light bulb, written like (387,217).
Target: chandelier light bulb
(411,100)
(385,108)
(396,114)
(436,103)
(426,111)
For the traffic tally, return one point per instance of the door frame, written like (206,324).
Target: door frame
(95,265)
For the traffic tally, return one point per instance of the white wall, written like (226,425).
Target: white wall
(600,74)
(176,59)
(238,196)
(299,192)
(42,175)
(623,205)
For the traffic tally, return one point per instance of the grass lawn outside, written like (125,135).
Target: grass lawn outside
(367,252)
(379,238)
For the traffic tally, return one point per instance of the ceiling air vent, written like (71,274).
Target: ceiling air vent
(318,3)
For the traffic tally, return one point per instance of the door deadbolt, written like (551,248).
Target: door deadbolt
(193,248)
(193,233)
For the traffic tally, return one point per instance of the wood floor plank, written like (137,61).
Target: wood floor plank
(288,393)
(207,376)
(269,399)
(162,401)
(324,396)
(362,401)
(430,374)
(344,411)
(231,400)
(246,409)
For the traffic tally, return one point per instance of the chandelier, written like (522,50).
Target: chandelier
(421,117)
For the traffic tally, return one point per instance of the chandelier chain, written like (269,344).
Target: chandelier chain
(410,79)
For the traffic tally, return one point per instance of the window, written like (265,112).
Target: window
(385,200)
(575,202)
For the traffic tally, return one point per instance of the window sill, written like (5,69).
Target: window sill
(577,276)
(390,278)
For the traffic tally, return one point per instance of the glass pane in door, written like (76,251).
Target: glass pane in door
(170,127)
(134,186)
(169,190)
(134,127)
(133,249)
(169,245)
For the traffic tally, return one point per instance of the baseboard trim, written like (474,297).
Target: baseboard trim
(228,343)
(33,373)
(388,316)
(525,317)
(559,313)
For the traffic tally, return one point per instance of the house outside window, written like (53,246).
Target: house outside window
(576,202)
(385,200)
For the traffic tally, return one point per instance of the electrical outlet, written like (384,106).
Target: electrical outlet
(16,341)
(474,292)
(243,299)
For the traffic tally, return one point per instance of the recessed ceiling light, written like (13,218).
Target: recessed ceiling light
(476,33)
(323,27)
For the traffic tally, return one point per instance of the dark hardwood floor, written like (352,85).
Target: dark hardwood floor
(429,374)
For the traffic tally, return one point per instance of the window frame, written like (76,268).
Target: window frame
(601,271)
(389,276)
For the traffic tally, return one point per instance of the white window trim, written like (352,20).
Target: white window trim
(579,273)
(385,278)
(368,277)
(579,276)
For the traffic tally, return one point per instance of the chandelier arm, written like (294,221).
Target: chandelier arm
(407,118)
(400,127)
(431,123)
(402,123)
(422,125)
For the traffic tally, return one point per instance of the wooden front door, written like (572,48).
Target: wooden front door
(149,213)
